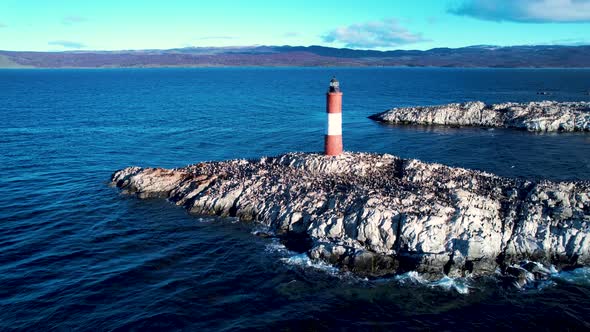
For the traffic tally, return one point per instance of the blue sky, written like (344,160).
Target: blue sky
(53,25)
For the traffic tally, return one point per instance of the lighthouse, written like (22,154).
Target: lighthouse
(333,139)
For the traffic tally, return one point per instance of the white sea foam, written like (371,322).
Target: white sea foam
(302,260)
(542,268)
(275,246)
(545,284)
(579,276)
(460,285)
(411,277)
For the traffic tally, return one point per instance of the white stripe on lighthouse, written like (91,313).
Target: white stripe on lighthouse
(334,124)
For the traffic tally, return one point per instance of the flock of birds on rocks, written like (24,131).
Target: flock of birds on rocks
(533,116)
(378,214)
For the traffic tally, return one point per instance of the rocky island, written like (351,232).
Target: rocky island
(533,116)
(377,214)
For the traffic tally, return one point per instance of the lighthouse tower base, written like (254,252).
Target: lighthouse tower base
(333,145)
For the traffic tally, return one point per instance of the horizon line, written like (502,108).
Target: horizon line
(286,45)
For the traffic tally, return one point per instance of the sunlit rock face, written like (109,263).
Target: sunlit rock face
(533,116)
(378,214)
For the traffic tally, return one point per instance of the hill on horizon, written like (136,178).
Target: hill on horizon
(535,56)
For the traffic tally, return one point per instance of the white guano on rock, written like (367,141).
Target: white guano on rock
(377,214)
(533,116)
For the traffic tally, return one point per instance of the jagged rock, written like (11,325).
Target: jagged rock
(534,116)
(378,214)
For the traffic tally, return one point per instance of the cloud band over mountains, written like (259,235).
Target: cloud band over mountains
(67,44)
(530,11)
(384,33)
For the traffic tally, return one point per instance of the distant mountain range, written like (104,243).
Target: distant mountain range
(473,56)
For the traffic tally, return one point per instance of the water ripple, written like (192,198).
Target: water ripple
(76,255)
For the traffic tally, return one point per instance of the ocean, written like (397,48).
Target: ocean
(75,254)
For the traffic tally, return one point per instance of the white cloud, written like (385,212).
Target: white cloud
(66,44)
(216,37)
(532,11)
(571,42)
(73,19)
(384,33)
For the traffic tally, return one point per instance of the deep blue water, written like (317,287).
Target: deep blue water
(75,254)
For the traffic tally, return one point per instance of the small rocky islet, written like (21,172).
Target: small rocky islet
(377,214)
(545,116)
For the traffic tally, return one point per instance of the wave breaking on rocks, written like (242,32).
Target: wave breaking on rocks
(533,116)
(377,214)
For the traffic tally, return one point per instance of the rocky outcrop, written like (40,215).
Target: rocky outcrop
(379,214)
(534,116)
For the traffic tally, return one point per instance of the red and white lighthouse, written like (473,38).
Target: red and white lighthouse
(333,139)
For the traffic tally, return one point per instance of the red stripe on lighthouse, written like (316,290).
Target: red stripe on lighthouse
(334,102)
(333,139)
(333,144)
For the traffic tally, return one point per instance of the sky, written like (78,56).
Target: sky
(58,25)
